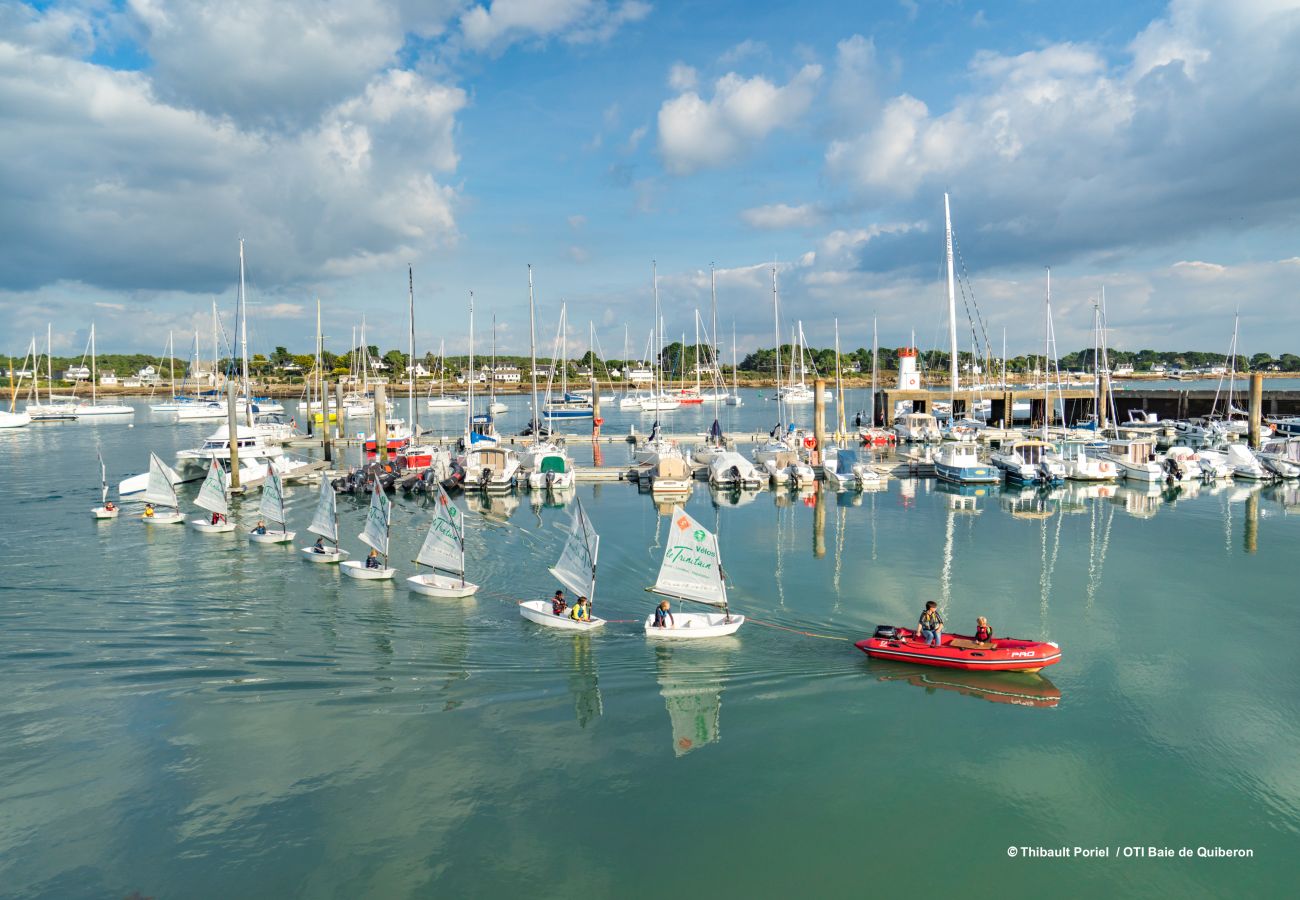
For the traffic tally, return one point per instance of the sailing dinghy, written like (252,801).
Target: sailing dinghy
(692,570)
(272,510)
(576,570)
(160,504)
(212,497)
(102,511)
(379,518)
(443,549)
(325,524)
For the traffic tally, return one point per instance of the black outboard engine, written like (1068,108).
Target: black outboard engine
(485,476)
(1173,469)
(735,473)
(886,633)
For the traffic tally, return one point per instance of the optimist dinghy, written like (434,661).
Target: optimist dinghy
(103,511)
(692,570)
(576,570)
(212,497)
(325,524)
(443,548)
(959,651)
(379,519)
(161,505)
(272,510)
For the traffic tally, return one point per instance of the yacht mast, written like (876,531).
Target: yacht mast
(410,362)
(952,297)
(93,367)
(776,333)
(875,368)
(243,337)
(532,355)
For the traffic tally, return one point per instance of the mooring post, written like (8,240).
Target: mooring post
(819,419)
(381,424)
(1256,407)
(338,411)
(232,434)
(326,443)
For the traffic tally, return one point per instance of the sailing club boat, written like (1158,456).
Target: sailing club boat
(576,570)
(212,497)
(443,550)
(272,510)
(379,520)
(326,524)
(102,511)
(161,492)
(94,407)
(692,570)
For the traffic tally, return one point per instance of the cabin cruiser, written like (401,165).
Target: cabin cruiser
(550,470)
(1214,464)
(490,468)
(254,451)
(959,463)
(1029,461)
(1082,464)
(918,427)
(1245,465)
(848,468)
(1136,458)
(1281,456)
(1182,463)
(730,469)
(787,468)
(671,475)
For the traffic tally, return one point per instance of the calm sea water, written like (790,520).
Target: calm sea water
(190,716)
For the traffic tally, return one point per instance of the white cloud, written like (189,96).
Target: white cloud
(504,22)
(695,133)
(682,78)
(781,215)
(635,138)
(579,254)
(852,95)
(746,49)
(576,222)
(278,310)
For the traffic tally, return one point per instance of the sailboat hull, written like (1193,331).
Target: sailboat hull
(104,514)
(433,585)
(329,556)
(356,568)
(158,518)
(693,626)
(272,537)
(539,611)
(204,526)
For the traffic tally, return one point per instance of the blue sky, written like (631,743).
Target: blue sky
(1144,147)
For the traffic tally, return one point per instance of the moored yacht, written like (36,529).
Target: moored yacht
(959,463)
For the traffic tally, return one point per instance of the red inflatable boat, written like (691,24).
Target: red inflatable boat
(959,651)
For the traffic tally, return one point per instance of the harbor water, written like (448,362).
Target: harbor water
(189,715)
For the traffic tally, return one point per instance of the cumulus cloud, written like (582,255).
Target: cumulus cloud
(781,215)
(500,23)
(695,133)
(682,77)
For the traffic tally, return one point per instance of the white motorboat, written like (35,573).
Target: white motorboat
(1281,456)
(730,469)
(958,462)
(788,469)
(443,551)
(1082,464)
(1245,465)
(1029,461)
(1214,464)
(325,524)
(212,497)
(919,428)
(105,510)
(692,571)
(1182,463)
(671,475)
(379,519)
(576,570)
(1136,458)
(492,469)
(161,507)
(272,508)
(553,472)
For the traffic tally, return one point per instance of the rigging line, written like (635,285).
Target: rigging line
(965,277)
(811,634)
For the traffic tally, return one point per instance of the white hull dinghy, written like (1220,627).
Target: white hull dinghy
(379,518)
(212,497)
(102,511)
(160,495)
(443,551)
(692,571)
(272,508)
(326,524)
(104,514)
(576,570)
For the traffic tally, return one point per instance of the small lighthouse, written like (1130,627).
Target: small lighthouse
(909,379)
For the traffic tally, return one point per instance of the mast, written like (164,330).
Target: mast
(713,334)
(776,332)
(1047,349)
(171,359)
(469,380)
(532,356)
(319,362)
(735,372)
(93,366)
(697,352)
(243,336)
(839,384)
(875,368)
(952,298)
(410,362)
(658,336)
(216,363)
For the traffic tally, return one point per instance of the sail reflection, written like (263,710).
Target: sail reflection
(691,683)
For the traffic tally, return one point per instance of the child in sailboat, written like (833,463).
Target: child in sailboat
(218,519)
(148,510)
(109,506)
(372,561)
(581,612)
(319,546)
(260,528)
(558,603)
(664,615)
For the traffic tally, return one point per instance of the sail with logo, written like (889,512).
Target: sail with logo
(443,549)
(691,570)
(212,497)
(326,524)
(378,519)
(576,570)
(271,509)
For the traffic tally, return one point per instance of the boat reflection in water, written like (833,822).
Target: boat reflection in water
(494,507)
(584,681)
(1140,500)
(1015,688)
(691,682)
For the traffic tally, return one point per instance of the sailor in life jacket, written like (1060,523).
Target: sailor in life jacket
(983,631)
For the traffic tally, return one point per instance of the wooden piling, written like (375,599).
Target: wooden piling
(1256,407)
(326,443)
(338,409)
(819,418)
(232,434)
(381,423)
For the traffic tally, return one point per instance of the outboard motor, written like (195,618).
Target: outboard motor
(550,479)
(735,473)
(886,633)
(1173,469)
(485,476)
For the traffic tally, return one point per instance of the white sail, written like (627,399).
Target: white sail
(272,506)
(103,480)
(576,567)
(212,495)
(444,545)
(161,490)
(377,517)
(691,569)
(325,523)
